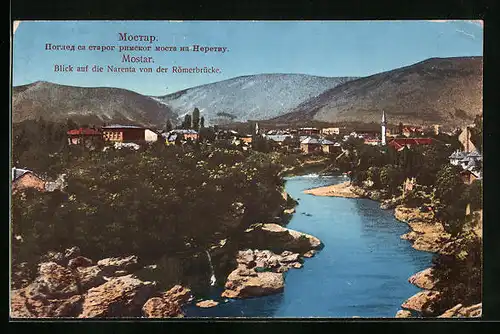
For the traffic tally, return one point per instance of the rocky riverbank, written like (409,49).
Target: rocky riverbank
(260,272)
(427,233)
(73,286)
(425,302)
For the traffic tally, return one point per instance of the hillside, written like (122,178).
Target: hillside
(253,97)
(89,105)
(438,90)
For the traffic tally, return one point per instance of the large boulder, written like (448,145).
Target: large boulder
(262,284)
(264,260)
(54,282)
(423,302)
(119,297)
(423,279)
(279,239)
(119,264)
(178,294)
(158,307)
(90,277)
(25,305)
(403,314)
(207,303)
(168,304)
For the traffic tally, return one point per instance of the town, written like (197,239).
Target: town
(308,141)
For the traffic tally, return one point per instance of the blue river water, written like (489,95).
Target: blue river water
(362,271)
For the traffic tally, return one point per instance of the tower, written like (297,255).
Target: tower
(384,124)
(256,128)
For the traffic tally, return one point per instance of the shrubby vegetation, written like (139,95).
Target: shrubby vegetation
(156,201)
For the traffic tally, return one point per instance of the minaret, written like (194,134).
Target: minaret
(256,128)
(384,124)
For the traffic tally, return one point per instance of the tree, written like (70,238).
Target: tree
(196,119)
(449,185)
(391,178)
(202,122)
(187,122)
(168,126)
(400,128)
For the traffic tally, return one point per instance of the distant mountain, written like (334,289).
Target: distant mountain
(88,105)
(253,97)
(438,90)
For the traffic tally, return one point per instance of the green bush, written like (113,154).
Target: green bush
(149,203)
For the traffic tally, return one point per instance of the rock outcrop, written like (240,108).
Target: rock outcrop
(168,304)
(423,302)
(119,297)
(459,311)
(403,314)
(244,284)
(158,307)
(279,239)
(122,265)
(423,279)
(73,287)
(259,272)
(207,303)
(427,234)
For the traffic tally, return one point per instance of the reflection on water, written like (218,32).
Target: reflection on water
(362,271)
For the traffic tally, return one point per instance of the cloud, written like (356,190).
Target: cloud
(466,33)
(15,26)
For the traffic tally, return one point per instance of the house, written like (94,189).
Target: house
(83,136)
(247,139)
(470,163)
(410,131)
(307,131)
(310,144)
(330,131)
(278,138)
(184,134)
(401,143)
(24,178)
(329,147)
(466,159)
(129,134)
(469,175)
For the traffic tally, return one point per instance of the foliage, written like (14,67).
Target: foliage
(458,276)
(151,202)
(41,146)
(391,178)
(196,119)
(187,123)
(477,133)
(448,184)
(168,126)
(473,194)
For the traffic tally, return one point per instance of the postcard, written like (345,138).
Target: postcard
(256,169)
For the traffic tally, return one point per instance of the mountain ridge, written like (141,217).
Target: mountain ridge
(435,90)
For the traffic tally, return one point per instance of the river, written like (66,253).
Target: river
(362,271)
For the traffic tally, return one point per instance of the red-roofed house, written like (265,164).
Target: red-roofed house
(400,143)
(411,130)
(79,136)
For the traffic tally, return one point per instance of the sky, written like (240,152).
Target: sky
(322,48)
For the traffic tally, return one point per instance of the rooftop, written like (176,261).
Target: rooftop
(118,126)
(18,172)
(84,131)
